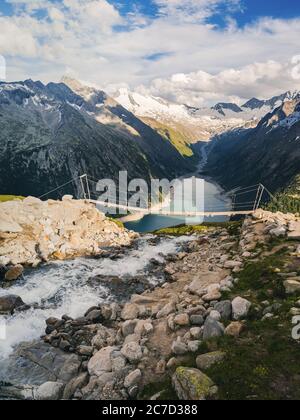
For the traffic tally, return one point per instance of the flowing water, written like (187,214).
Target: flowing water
(62,288)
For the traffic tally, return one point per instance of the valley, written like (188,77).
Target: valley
(162,308)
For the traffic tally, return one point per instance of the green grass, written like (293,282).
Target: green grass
(179,139)
(232,227)
(287,200)
(117,222)
(263,364)
(4,198)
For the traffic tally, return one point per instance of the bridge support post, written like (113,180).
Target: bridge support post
(86,192)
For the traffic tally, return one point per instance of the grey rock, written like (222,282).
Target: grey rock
(132,351)
(225,309)
(212,328)
(197,320)
(128,327)
(9,303)
(205,361)
(50,391)
(133,378)
(194,345)
(74,385)
(179,348)
(36,363)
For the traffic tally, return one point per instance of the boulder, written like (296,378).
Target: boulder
(193,385)
(212,328)
(292,286)
(233,264)
(178,347)
(17,392)
(130,311)
(85,350)
(182,320)
(196,332)
(225,309)
(94,316)
(278,232)
(193,346)
(168,309)
(118,361)
(9,303)
(234,329)
(240,308)
(9,226)
(133,378)
(206,361)
(101,361)
(212,296)
(197,320)
(215,315)
(75,384)
(132,351)
(14,273)
(294,230)
(128,327)
(50,391)
(36,363)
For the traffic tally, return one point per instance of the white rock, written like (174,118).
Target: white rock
(196,332)
(67,198)
(215,315)
(10,226)
(32,200)
(50,391)
(193,346)
(233,264)
(240,308)
(278,232)
(101,361)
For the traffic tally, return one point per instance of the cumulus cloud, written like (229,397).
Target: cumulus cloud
(231,85)
(177,54)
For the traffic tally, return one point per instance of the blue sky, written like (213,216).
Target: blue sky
(250,9)
(191,51)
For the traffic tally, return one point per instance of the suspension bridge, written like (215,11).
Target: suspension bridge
(240,201)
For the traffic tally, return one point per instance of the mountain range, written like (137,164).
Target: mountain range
(51,134)
(55,132)
(268,153)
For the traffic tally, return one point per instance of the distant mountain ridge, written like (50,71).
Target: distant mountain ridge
(268,153)
(201,123)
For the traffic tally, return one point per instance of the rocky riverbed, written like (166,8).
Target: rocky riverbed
(166,317)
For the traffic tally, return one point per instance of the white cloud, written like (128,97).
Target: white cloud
(198,88)
(177,55)
(193,10)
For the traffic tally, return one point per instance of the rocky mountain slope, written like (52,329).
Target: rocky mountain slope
(34,231)
(195,123)
(50,134)
(267,154)
(191,124)
(219,325)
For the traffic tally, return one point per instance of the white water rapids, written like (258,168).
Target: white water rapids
(61,288)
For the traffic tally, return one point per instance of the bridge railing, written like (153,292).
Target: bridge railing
(241,200)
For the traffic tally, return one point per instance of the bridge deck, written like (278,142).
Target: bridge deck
(169,213)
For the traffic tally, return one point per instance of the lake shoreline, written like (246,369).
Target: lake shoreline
(135,221)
